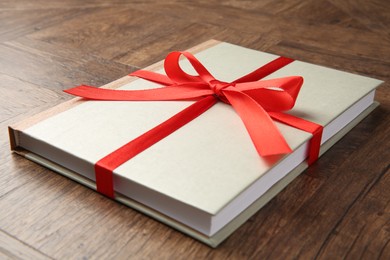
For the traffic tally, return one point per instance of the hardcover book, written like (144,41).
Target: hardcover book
(206,178)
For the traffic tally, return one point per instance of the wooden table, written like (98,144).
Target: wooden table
(339,208)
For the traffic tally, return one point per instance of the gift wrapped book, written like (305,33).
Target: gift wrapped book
(203,144)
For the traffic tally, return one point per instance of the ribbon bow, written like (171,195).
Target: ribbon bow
(256,102)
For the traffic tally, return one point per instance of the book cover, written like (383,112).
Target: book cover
(206,178)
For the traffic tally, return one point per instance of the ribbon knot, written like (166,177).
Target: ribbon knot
(217,87)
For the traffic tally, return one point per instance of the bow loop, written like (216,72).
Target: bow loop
(176,73)
(275,94)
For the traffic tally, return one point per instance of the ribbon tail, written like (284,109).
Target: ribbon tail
(104,167)
(308,126)
(265,135)
(155,94)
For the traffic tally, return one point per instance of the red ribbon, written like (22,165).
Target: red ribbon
(256,102)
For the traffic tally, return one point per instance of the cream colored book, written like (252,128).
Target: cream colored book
(206,178)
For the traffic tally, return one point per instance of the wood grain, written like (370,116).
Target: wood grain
(338,209)
(11,248)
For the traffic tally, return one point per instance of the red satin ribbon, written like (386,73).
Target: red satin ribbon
(256,102)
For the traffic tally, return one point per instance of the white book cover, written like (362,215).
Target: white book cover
(205,175)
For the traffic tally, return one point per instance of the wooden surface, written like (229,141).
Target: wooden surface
(339,208)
